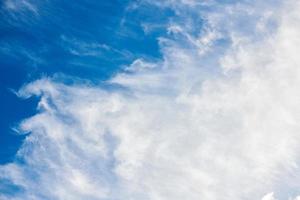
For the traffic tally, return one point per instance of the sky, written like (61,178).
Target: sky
(149,100)
(89,40)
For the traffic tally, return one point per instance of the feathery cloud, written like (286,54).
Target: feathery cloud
(216,118)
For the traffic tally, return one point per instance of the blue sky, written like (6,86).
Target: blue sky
(87,39)
(149,100)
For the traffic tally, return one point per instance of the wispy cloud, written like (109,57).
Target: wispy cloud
(215,118)
(20,5)
(93,49)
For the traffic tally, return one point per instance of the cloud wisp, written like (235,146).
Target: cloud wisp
(216,118)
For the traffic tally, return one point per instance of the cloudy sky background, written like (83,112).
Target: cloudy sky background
(153,100)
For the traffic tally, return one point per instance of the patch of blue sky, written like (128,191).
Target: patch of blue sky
(86,39)
(7,188)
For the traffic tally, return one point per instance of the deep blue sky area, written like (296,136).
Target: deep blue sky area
(86,39)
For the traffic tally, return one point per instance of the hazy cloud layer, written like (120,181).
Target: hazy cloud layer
(216,119)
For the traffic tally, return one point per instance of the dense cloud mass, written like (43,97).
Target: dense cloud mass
(217,118)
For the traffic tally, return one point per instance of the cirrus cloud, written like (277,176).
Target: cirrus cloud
(215,118)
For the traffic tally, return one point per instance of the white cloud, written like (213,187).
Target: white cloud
(20,5)
(269,196)
(218,125)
